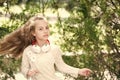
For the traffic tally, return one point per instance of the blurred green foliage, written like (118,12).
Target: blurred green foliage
(93,27)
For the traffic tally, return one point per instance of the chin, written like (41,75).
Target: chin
(46,39)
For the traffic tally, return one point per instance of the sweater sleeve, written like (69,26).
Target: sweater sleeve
(25,63)
(62,66)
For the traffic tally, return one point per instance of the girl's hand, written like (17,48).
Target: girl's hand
(84,72)
(32,73)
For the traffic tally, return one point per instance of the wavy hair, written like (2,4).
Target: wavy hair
(15,42)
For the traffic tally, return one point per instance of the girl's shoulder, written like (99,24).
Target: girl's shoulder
(27,49)
(54,47)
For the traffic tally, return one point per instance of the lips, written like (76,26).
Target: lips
(46,35)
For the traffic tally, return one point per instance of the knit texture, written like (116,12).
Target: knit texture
(45,63)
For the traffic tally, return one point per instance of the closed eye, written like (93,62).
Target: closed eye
(40,28)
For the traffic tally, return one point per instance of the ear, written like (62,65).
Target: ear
(33,33)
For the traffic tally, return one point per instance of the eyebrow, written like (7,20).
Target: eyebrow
(41,26)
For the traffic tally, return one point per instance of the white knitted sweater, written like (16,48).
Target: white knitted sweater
(45,63)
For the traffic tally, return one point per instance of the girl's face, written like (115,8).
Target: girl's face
(42,31)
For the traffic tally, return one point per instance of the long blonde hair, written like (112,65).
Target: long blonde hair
(15,42)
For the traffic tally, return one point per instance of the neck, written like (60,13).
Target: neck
(41,42)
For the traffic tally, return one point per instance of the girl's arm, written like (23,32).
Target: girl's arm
(62,66)
(25,63)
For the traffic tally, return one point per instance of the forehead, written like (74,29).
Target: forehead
(41,23)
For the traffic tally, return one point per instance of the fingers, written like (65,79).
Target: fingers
(32,72)
(85,72)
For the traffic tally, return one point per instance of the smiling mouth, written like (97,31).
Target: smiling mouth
(45,35)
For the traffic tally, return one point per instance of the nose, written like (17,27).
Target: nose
(46,30)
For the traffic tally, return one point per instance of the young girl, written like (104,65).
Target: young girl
(40,59)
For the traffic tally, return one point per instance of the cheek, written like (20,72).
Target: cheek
(49,32)
(38,36)
(37,33)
